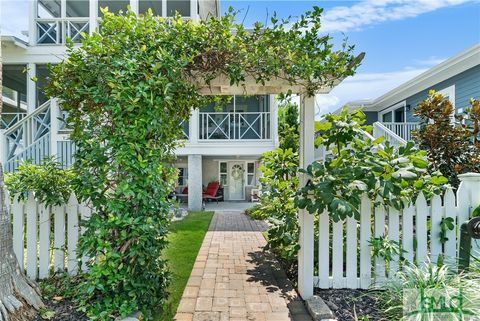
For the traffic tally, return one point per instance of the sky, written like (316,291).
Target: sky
(401,38)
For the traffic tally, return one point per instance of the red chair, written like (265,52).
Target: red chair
(210,192)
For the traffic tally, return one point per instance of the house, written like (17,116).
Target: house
(220,145)
(391,114)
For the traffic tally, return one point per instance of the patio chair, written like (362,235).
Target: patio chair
(211,192)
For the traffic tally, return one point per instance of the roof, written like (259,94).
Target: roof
(463,61)
(14,40)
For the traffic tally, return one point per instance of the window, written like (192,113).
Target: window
(223,173)
(182,176)
(182,6)
(251,173)
(155,5)
(77,8)
(395,113)
(114,6)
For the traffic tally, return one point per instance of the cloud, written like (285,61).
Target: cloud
(14,17)
(369,12)
(430,61)
(363,86)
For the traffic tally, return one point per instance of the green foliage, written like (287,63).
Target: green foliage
(288,125)
(127,89)
(360,165)
(384,248)
(447,224)
(279,186)
(428,276)
(256,212)
(452,146)
(49,182)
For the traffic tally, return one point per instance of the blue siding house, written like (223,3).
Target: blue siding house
(458,78)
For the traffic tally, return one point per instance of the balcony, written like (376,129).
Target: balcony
(231,126)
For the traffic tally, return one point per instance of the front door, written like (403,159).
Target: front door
(237,181)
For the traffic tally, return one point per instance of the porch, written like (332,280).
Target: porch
(230,179)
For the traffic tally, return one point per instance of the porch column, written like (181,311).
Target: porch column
(195,182)
(305,255)
(31,88)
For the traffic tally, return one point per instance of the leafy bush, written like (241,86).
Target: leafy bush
(359,165)
(49,182)
(288,125)
(452,145)
(255,212)
(279,187)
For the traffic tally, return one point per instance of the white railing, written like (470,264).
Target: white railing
(32,138)
(45,238)
(380,130)
(31,129)
(235,126)
(404,130)
(344,252)
(10,119)
(57,30)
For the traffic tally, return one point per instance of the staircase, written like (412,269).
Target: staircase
(38,135)
(396,133)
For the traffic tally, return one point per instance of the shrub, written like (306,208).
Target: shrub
(359,165)
(256,212)
(49,182)
(428,277)
(279,187)
(451,144)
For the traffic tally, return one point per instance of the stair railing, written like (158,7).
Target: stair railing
(381,130)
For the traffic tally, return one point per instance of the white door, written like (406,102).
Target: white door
(236,184)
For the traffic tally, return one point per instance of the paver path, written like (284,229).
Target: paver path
(233,279)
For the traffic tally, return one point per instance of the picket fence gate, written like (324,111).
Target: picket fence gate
(345,261)
(45,238)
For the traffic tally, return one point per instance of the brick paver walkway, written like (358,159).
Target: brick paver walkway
(233,279)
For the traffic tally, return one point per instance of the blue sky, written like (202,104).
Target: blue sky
(401,38)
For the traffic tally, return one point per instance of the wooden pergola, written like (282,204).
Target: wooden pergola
(221,86)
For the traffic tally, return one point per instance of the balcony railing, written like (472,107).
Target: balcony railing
(235,126)
(404,130)
(55,31)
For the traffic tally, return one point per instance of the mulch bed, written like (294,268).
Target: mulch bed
(64,311)
(345,303)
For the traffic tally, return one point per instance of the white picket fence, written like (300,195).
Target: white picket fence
(45,238)
(344,252)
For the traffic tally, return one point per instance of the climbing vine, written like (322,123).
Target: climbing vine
(126,90)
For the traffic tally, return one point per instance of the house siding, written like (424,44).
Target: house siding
(467,86)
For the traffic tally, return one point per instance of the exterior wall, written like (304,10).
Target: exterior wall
(371,117)
(467,85)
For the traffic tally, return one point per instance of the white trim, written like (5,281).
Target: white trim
(449,92)
(391,109)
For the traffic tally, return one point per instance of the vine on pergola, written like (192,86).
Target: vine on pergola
(126,90)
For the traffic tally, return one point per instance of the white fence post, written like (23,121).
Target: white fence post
(305,254)
(469,192)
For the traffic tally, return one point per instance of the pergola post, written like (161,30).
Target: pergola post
(306,153)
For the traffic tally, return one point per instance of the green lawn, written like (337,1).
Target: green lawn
(185,239)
